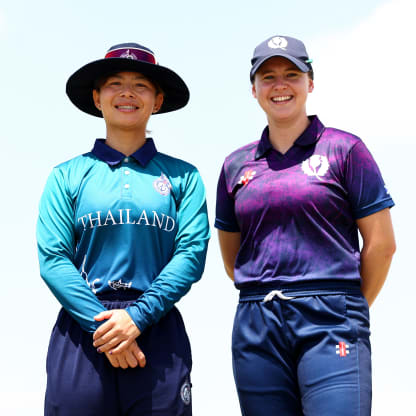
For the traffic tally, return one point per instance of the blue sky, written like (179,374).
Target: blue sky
(363,55)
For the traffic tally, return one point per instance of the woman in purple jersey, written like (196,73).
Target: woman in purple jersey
(289,210)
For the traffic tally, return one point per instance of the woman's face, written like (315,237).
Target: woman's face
(127,100)
(281,89)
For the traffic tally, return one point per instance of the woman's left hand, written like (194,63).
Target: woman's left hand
(130,358)
(117,333)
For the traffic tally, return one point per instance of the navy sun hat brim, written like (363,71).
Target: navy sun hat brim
(80,85)
(300,64)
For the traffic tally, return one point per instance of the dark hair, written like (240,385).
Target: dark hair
(310,75)
(99,82)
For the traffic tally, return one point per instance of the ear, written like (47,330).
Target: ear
(96,98)
(158,102)
(311,85)
(253,90)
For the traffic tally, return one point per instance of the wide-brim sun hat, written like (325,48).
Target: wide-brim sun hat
(285,46)
(130,57)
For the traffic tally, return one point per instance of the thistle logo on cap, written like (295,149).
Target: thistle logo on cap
(290,48)
(277,43)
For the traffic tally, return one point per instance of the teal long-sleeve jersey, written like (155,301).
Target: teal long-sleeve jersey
(110,223)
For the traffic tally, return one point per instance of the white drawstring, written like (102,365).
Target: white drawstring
(277,293)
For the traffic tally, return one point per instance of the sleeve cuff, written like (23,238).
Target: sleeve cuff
(366,211)
(224,226)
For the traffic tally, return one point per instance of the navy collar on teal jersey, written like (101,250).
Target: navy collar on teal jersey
(309,136)
(113,157)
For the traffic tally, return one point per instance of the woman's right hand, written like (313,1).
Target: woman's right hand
(130,358)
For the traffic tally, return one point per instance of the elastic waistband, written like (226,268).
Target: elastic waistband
(293,290)
(120,295)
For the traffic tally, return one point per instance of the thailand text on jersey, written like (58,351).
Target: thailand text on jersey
(109,223)
(296,212)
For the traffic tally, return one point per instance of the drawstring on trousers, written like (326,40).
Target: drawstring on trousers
(277,293)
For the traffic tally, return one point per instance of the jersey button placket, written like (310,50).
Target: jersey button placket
(125,179)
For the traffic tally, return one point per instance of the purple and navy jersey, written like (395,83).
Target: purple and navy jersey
(297,211)
(111,223)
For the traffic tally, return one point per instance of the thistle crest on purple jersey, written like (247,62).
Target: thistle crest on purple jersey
(162,185)
(316,166)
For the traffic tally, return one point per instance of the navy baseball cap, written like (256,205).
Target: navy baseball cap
(285,46)
(126,57)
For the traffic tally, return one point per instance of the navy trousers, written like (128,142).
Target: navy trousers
(81,381)
(303,352)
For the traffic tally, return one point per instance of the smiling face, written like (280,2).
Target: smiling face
(281,89)
(127,100)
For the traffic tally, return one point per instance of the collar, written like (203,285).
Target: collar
(311,135)
(113,157)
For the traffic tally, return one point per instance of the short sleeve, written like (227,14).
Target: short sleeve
(225,218)
(365,185)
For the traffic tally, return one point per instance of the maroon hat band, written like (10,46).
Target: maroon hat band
(132,53)
(128,56)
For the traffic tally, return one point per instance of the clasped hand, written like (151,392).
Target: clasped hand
(117,339)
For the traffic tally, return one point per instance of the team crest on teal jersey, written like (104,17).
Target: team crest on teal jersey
(162,185)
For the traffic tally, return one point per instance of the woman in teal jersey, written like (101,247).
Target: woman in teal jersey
(122,235)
